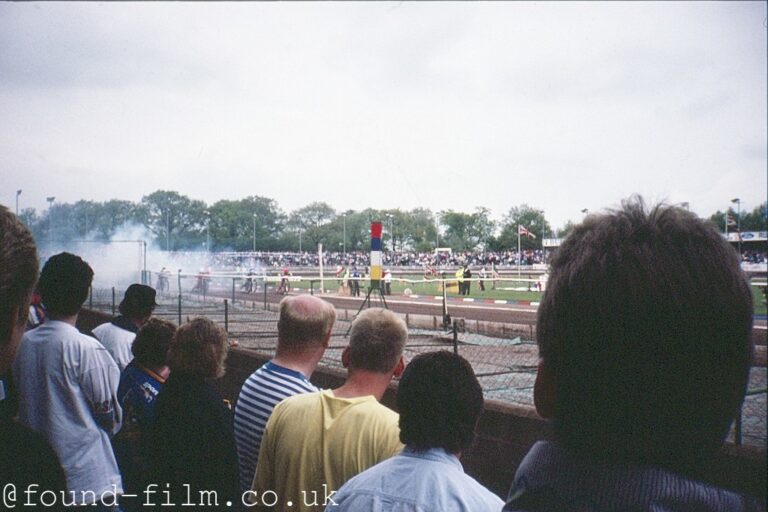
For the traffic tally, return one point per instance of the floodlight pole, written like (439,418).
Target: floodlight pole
(18,193)
(254,232)
(50,219)
(738,221)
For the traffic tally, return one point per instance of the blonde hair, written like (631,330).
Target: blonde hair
(199,348)
(376,341)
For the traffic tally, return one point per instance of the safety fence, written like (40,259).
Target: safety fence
(504,362)
(526,285)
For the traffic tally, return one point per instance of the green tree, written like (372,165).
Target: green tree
(359,229)
(757,219)
(83,217)
(419,230)
(33,221)
(239,224)
(467,231)
(104,219)
(177,221)
(313,221)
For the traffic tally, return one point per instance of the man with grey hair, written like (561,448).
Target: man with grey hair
(313,443)
(303,334)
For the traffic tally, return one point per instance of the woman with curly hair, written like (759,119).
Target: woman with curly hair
(193,446)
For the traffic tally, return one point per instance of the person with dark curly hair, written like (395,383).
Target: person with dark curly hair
(440,401)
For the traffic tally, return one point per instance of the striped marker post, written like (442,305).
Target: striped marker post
(375,255)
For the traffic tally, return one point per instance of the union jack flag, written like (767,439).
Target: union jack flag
(521,230)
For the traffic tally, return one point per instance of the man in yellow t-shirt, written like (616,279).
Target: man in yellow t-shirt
(313,443)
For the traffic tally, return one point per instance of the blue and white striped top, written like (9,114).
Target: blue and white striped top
(265,388)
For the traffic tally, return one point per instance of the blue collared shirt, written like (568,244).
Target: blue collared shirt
(415,481)
(548,479)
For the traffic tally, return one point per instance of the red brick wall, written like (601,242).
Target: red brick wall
(506,433)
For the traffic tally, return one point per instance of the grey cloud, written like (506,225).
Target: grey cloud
(69,49)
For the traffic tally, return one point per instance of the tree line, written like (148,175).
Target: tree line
(177,222)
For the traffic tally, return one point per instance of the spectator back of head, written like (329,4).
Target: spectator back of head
(440,401)
(138,301)
(645,326)
(376,341)
(150,348)
(305,321)
(64,284)
(199,348)
(18,274)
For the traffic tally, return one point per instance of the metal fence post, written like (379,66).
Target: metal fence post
(179,306)
(226,316)
(113,301)
(311,287)
(446,316)
(455,338)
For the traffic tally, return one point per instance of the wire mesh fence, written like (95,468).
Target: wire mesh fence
(504,365)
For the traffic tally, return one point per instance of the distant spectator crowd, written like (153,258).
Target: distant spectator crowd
(242,261)
(641,383)
(222,261)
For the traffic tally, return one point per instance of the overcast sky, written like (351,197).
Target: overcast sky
(562,106)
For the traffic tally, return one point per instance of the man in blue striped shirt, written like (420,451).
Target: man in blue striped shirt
(304,332)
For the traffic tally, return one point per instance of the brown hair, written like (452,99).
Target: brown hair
(18,271)
(199,347)
(150,347)
(646,325)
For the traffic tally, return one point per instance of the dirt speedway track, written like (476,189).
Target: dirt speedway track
(486,311)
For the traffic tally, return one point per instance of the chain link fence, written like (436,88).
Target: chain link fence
(505,365)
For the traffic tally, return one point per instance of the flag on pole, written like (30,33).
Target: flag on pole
(521,230)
